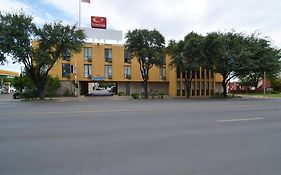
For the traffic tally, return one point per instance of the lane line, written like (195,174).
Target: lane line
(241,119)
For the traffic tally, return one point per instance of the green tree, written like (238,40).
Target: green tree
(187,55)
(37,48)
(223,51)
(259,57)
(145,46)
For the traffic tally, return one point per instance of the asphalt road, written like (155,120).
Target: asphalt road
(107,136)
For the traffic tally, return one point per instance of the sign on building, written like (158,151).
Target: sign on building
(98,22)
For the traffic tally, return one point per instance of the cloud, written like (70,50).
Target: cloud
(174,19)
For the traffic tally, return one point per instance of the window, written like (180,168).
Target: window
(65,70)
(87,54)
(163,73)
(178,88)
(108,71)
(198,74)
(127,58)
(108,55)
(203,73)
(127,72)
(178,72)
(212,74)
(162,58)
(67,55)
(207,74)
(87,70)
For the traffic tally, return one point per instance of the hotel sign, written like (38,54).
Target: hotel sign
(97,78)
(98,22)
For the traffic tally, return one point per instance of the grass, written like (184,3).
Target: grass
(277,95)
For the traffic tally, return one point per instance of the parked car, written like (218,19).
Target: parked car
(100,92)
(112,89)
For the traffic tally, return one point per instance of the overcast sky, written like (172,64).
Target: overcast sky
(174,19)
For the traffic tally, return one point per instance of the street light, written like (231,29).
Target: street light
(264,83)
(21,84)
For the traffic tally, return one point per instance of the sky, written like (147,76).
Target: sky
(173,19)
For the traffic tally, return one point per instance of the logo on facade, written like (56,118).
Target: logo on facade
(98,22)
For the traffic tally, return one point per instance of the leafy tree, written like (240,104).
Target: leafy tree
(223,51)
(52,85)
(276,83)
(145,46)
(25,82)
(50,43)
(259,57)
(187,55)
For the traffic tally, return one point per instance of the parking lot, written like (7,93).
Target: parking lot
(111,135)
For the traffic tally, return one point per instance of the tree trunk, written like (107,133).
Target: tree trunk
(145,83)
(224,86)
(187,87)
(40,87)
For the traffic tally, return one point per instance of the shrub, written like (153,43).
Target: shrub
(30,94)
(52,85)
(160,95)
(17,95)
(135,95)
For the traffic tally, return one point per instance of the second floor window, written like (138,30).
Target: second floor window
(88,54)
(108,71)
(87,70)
(127,72)
(108,55)
(66,70)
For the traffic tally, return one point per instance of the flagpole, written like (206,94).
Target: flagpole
(79,13)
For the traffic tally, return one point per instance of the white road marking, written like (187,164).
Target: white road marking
(241,119)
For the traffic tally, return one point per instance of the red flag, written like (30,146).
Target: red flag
(87,1)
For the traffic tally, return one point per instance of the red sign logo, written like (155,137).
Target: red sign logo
(98,22)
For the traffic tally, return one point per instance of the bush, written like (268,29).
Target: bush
(160,95)
(17,95)
(52,85)
(135,95)
(30,95)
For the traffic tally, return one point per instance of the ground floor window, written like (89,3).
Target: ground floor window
(197,88)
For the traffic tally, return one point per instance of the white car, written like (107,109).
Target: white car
(100,92)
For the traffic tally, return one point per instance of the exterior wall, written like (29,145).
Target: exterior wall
(66,88)
(136,87)
(167,85)
(203,83)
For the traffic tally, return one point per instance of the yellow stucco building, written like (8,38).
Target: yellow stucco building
(110,63)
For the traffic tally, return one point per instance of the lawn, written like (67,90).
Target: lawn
(277,95)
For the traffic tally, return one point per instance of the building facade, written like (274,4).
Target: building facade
(110,64)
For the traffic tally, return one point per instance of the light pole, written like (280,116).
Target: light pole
(264,83)
(21,79)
